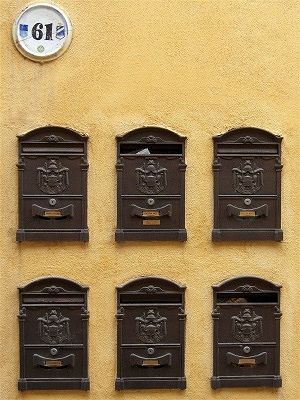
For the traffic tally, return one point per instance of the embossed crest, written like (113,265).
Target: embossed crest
(247,179)
(53,178)
(151,179)
(151,327)
(247,326)
(54,328)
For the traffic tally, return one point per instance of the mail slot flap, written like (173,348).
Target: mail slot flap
(242,297)
(163,298)
(50,287)
(148,149)
(237,149)
(53,148)
(38,298)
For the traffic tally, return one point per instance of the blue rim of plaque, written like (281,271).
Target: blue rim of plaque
(20,34)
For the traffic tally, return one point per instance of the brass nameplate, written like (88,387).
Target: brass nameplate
(247,213)
(53,363)
(247,361)
(150,363)
(150,213)
(151,222)
(52,213)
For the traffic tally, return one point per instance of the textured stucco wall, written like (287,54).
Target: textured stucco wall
(199,68)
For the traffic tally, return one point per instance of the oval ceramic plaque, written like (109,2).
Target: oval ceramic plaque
(42,32)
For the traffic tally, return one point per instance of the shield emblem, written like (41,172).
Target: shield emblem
(151,179)
(54,328)
(60,31)
(53,178)
(247,326)
(23,30)
(247,179)
(151,327)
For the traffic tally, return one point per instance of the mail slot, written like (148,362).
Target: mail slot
(53,321)
(151,185)
(151,331)
(52,185)
(247,185)
(246,319)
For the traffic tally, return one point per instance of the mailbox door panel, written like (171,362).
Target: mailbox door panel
(261,213)
(233,361)
(52,175)
(67,363)
(65,214)
(164,362)
(254,175)
(247,324)
(53,325)
(151,176)
(151,324)
(166,212)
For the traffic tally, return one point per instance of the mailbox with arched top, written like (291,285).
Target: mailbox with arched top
(151,185)
(247,185)
(53,322)
(52,185)
(246,341)
(151,331)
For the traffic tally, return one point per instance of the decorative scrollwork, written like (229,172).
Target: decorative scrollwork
(151,327)
(53,178)
(247,289)
(150,178)
(248,178)
(151,289)
(150,139)
(53,138)
(52,289)
(247,139)
(247,326)
(54,327)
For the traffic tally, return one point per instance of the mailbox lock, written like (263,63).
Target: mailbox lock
(53,351)
(150,350)
(150,201)
(52,202)
(246,349)
(247,201)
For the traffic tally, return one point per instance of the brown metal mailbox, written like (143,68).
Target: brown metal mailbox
(246,319)
(151,328)
(247,185)
(53,321)
(52,185)
(151,185)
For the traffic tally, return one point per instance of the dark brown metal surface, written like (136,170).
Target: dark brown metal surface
(247,185)
(246,319)
(52,185)
(53,321)
(151,185)
(151,331)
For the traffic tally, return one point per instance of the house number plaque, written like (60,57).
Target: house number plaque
(42,32)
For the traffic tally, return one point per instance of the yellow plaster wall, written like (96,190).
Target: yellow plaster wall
(198,67)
